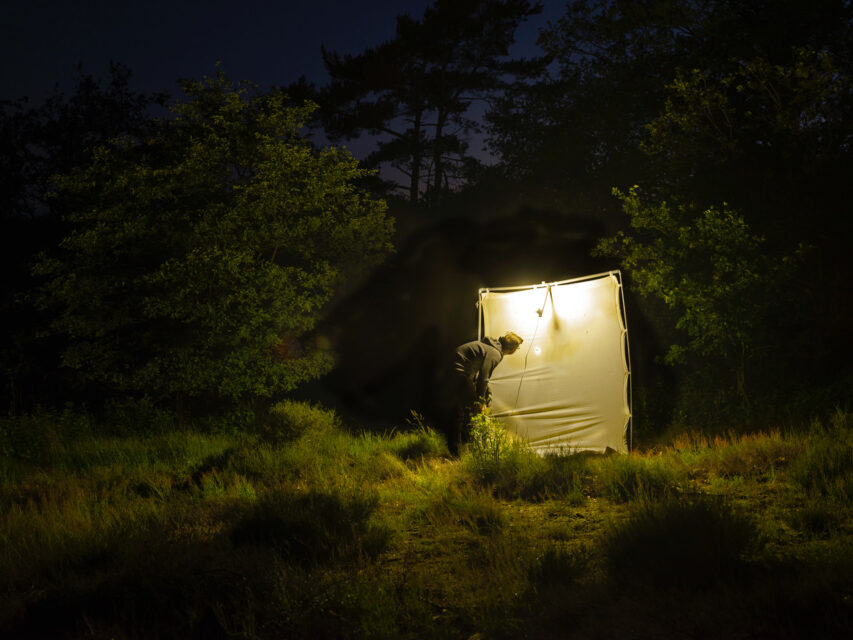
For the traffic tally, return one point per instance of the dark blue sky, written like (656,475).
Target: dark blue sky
(267,42)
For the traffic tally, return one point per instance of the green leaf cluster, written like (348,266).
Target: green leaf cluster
(707,266)
(200,257)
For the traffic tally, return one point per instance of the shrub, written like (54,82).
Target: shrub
(492,454)
(489,444)
(137,416)
(691,544)
(289,420)
(505,463)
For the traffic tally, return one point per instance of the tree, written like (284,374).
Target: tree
(36,143)
(201,256)
(417,89)
(775,140)
(709,268)
(577,132)
(60,134)
(703,102)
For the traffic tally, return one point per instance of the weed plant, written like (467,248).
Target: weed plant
(288,420)
(501,461)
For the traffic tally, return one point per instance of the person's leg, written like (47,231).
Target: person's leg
(465,397)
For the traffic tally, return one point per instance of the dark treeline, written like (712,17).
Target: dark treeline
(201,259)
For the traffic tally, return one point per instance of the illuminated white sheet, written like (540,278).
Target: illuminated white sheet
(568,386)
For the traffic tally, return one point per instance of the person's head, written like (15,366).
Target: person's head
(510,342)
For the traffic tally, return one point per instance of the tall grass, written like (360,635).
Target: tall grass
(299,528)
(744,455)
(629,478)
(825,468)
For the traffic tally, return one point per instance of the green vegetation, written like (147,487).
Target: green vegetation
(709,269)
(198,258)
(300,527)
(176,274)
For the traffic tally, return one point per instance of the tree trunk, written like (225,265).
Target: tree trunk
(436,154)
(415,183)
(741,378)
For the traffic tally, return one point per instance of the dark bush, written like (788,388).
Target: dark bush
(692,544)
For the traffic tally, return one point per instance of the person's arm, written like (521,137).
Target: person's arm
(490,361)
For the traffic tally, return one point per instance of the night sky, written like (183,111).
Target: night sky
(267,42)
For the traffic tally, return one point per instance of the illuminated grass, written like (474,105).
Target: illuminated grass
(301,529)
(628,478)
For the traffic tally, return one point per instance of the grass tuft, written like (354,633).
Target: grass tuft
(684,544)
(818,519)
(421,443)
(560,567)
(464,505)
(313,527)
(825,468)
(630,478)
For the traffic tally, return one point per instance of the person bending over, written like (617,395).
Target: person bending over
(475,362)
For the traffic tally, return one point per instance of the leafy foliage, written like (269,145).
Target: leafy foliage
(36,143)
(201,256)
(700,103)
(489,444)
(707,267)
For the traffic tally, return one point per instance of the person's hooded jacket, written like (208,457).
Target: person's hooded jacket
(476,360)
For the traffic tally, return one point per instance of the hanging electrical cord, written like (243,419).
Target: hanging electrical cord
(539,312)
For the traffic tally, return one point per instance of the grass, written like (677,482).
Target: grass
(695,543)
(298,528)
